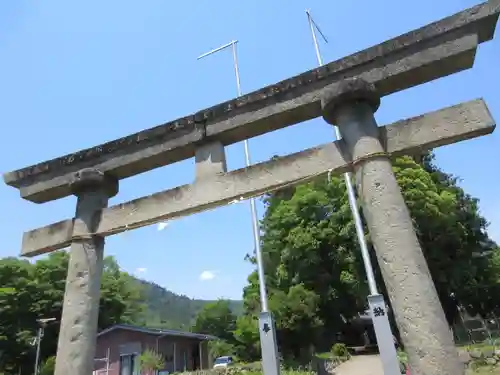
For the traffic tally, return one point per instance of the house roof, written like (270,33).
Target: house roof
(157,332)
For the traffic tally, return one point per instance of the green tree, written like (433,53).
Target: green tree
(219,348)
(121,297)
(296,316)
(247,338)
(17,313)
(48,366)
(217,319)
(33,291)
(309,239)
(495,264)
(457,243)
(150,362)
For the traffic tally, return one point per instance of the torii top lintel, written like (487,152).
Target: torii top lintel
(433,51)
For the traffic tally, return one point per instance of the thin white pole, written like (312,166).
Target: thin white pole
(348,178)
(376,301)
(38,341)
(315,40)
(253,208)
(217,49)
(236,67)
(107,361)
(43,323)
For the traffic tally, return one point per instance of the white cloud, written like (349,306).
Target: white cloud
(140,270)
(207,275)
(162,226)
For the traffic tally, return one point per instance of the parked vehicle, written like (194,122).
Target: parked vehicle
(223,362)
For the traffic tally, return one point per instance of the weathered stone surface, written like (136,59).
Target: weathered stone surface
(488,352)
(436,50)
(77,337)
(458,54)
(133,158)
(408,136)
(326,366)
(210,159)
(476,354)
(91,180)
(417,309)
(464,356)
(50,238)
(491,361)
(345,93)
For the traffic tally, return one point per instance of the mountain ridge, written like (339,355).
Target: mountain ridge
(166,309)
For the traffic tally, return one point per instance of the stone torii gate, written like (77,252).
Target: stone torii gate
(346,93)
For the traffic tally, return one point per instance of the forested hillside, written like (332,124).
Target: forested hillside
(30,291)
(169,310)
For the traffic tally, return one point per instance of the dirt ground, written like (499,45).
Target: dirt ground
(372,365)
(361,364)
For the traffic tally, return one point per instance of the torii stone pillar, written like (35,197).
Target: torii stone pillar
(77,336)
(350,105)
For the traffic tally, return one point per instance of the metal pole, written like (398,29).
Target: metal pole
(38,339)
(43,324)
(266,322)
(348,181)
(376,303)
(253,208)
(107,361)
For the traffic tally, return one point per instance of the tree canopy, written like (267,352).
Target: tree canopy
(34,291)
(217,319)
(314,271)
(314,274)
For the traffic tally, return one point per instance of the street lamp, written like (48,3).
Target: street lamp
(43,322)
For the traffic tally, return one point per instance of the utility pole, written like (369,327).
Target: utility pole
(267,329)
(43,324)
(376,303)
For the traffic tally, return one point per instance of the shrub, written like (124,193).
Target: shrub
(150,362)
(219,348)
(340,350)
(49,366)
(403,361)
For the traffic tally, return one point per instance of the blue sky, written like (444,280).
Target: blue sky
(75,74)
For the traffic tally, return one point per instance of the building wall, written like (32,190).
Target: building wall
(123,341)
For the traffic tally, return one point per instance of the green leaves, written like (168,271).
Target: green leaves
(238,336)
(217,319)
(314,271)
(32,291)
(49,366)
(246,335)
(220,348)
(150,362)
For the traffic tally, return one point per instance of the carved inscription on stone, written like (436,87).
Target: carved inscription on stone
(186,124)
(480,19)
